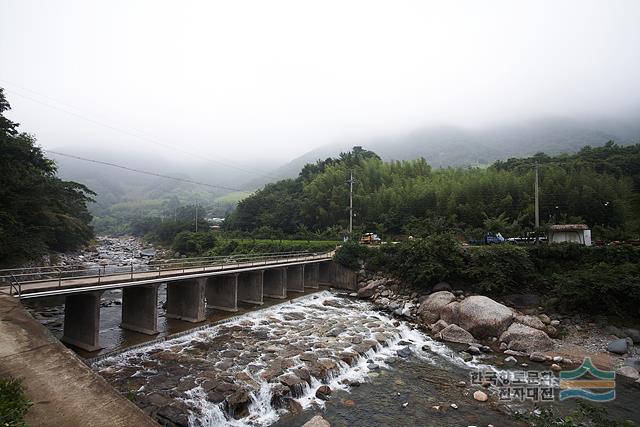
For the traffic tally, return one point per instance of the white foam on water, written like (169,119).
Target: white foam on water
(261,413)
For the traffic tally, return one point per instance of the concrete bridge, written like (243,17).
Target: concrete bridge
(193,284)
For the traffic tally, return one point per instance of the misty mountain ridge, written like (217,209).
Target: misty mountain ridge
(445,146)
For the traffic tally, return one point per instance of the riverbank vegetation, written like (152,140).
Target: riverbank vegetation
(13,403)
(573,278)
(39,211)
(597,186)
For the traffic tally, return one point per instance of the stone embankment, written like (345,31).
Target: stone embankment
(521,334)
(64,391)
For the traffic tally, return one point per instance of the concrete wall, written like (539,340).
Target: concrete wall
(250,287)
(222,292)
(140,309)
(82,320)
(295,278)
(185,300)
(64,391)
(311,276)
(275,283)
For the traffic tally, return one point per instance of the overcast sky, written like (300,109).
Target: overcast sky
(274,79)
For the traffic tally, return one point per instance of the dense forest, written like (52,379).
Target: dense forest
(598,186)
(39,212)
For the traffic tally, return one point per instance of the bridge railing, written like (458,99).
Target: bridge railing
(15,278)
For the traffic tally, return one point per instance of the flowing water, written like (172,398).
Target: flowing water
(263,368)
(258,368)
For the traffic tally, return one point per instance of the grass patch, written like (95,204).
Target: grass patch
(13,403)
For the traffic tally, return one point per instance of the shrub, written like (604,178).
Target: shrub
(499,268)
(351,254)
(421,262)
(601,288)
(13,403)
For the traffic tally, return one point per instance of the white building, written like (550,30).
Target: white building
(570,233)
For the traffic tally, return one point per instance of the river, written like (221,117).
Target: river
(266,367)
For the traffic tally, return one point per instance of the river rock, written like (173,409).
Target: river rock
(317,421)
(520,337)
(323,392)
(531,321)
(429,310)
(537,357)
(454,333)
(369,290)
(544,319)
(629,371)
(175,414)
(483,317)
(619,346)
(480,396)
(438,326)
(510,360)
(634,334)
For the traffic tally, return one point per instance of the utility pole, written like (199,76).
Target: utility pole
(196,217)
(350,201)
(537,207)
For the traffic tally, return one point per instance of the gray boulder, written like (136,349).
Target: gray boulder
(634,334)
(619,346)
(438,326)
(531,321)
(629,372)
(449,312)
(524,338)
(454,333)
(483,317)
(369,290)
(317,421)
(429,310)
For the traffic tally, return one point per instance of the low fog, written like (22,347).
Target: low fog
(255,84)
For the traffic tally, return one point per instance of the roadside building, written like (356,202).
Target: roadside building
(570,233)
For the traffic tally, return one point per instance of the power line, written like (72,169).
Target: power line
(128,133)
(189,181)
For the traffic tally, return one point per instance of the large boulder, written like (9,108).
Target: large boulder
(620,346)
(317,421)
(429,310)
(484,317)
(438,326)
(454,333)
(369,290)
(524,338)
(449,312)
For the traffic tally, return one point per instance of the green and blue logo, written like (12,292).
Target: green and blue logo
(588,382)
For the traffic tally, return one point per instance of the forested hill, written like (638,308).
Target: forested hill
(39,212)
(595,185)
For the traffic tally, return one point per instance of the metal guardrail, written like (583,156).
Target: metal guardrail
(16,278)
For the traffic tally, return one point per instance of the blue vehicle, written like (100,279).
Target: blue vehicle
(493,238)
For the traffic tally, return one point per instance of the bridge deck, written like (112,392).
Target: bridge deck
(61,286)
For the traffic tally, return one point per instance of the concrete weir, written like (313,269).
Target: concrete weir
(140,309)
(185,300)
(250,287)
(222,292)
(311,276)
(82,320)
(275,283)
(295,278)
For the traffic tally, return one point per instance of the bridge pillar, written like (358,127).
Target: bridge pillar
(250,287)
(275,283)
(222,292)
(185,300)
(140,309)
(295,278)
(311,273)
(326,273)
(82,320)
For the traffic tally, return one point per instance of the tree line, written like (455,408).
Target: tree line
(598,186)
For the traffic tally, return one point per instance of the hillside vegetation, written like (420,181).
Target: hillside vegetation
(39,211)
(598,186)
